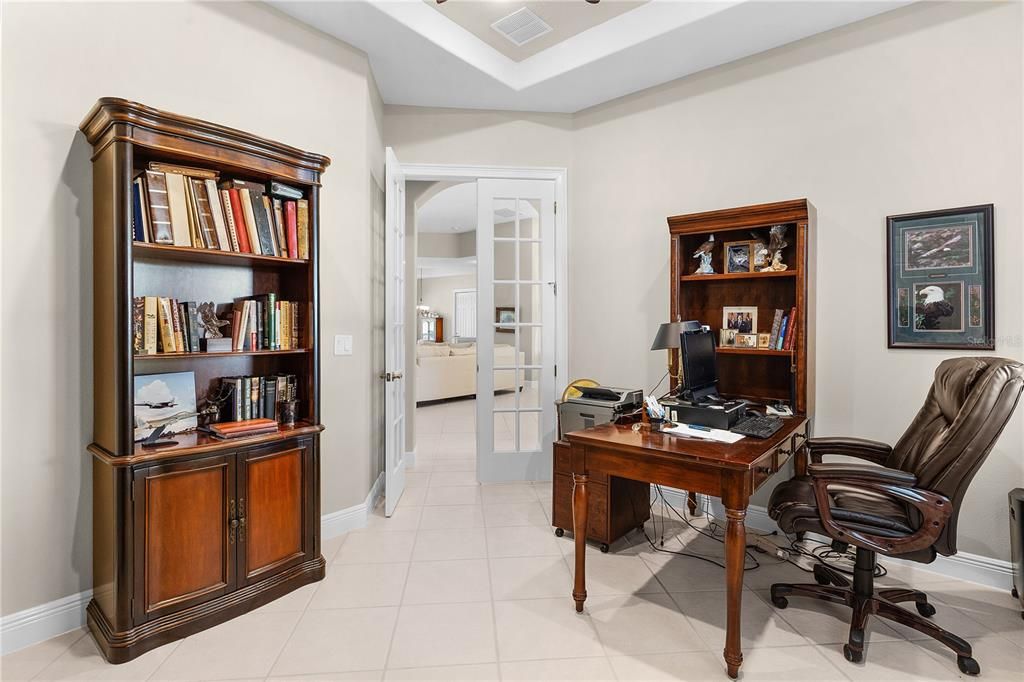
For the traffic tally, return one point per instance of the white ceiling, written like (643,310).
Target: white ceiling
(450,210)
(421,57)
(566,18)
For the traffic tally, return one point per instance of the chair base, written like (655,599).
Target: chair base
(861,597)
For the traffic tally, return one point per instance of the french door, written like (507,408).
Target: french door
(515,329)
(394,332)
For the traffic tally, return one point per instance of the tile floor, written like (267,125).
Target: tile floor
(467,582)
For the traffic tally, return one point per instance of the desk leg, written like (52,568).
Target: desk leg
(735,549)
(580,507)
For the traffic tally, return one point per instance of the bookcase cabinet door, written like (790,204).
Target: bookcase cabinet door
(184,542)
(275,512)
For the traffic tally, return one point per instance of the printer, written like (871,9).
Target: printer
(597,405)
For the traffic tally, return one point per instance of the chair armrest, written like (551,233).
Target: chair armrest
(862,472)
(861,448)
(935,509)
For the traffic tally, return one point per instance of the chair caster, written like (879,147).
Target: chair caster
(967,665)
(780,602)
(1014,593)
(559,532)
(854,656)
(926,609)
(604,548)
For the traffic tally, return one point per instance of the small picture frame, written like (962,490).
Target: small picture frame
(738,256)
(741,318)
(727,338)
(504,315)
(763,339)
(746,340)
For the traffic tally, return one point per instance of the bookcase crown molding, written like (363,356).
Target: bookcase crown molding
(115,118)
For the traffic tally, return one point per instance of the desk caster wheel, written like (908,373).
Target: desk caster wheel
(604,548)
(967,665)
(1014,593)
(780,602)
(559,532)
(856,656)
(926,610)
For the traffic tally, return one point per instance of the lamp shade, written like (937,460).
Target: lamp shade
(667,336)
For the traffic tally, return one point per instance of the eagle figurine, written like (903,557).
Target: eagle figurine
(776,243)
(703,252)
(934,308)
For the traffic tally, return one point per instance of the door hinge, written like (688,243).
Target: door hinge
(556,207)
(556,370)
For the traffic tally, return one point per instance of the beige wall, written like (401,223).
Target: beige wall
(439,294)
(225,62)
(877,118)
(447,244)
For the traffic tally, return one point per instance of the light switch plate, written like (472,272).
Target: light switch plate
(343,344)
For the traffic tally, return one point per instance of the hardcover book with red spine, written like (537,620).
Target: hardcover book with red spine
(291,229)
(236,212)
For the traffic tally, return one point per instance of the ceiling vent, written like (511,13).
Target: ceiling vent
(521,26)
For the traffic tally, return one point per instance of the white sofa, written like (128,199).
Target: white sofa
(449,371)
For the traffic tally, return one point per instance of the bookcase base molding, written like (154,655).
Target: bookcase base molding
(123,646)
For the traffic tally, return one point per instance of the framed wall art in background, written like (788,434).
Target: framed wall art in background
(940,279)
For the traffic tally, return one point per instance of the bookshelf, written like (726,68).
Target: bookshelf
(190,534)
(751,373)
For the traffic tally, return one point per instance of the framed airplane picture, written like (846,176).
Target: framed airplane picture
(940,279)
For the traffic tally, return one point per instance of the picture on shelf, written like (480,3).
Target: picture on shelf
(764,340)
(742,319)
(161,396)
(727,337)
(940,279)
(739,256)
(746,340)
(505,315)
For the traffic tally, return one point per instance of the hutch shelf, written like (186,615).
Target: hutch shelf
(195,533)
(754,374)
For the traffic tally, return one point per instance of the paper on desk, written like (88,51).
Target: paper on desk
(717,435)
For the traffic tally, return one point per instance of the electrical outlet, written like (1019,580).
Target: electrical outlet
(343,344)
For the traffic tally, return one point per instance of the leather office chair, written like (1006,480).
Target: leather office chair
(906,503)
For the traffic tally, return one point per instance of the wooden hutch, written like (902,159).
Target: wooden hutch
(755,374)
(193,534)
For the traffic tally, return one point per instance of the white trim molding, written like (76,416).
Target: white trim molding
(39,623)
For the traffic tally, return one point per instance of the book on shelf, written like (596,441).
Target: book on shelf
(776,324)
(150,336)
(790,340)
(166,323)
(782,333)
(302,218)
(139,325)
(191,207)
(256,397)
(241,429)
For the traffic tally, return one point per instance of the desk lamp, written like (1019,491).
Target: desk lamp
(667,338)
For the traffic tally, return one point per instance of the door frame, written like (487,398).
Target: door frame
(469,173)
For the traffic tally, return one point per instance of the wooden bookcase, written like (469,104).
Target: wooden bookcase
(754,374)
(190,535)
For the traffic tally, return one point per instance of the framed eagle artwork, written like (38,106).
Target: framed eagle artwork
(940,279)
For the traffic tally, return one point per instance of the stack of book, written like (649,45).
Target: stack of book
(257,397)
(164,325)
(192,207)
(265,323)
(783,334)
(252,427)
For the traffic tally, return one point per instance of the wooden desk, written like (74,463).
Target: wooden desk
(729,472)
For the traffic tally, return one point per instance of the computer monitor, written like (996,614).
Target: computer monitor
(700,369)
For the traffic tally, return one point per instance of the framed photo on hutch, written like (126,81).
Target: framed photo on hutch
(940,279)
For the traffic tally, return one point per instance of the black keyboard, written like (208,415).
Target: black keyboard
(759,427)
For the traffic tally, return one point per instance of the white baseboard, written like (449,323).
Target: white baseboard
(42,622)
(974,568)
(39,623)
(410,459)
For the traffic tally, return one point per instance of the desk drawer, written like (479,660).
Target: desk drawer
(563,464)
